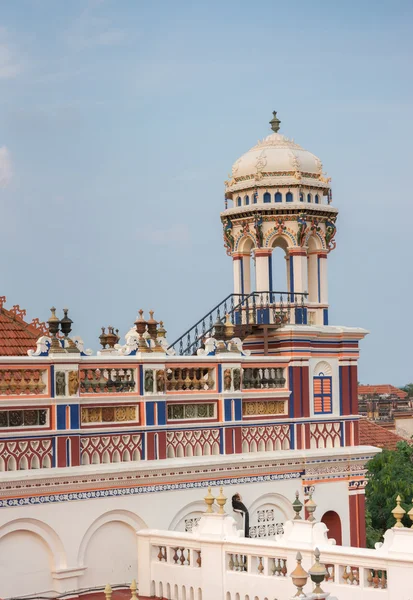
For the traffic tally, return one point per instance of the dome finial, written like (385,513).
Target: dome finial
(275,123)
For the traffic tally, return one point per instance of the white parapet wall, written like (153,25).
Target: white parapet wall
(214,562)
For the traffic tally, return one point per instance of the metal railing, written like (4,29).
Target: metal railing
(245,310)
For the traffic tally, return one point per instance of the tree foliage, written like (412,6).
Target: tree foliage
(389,473)
(408,388)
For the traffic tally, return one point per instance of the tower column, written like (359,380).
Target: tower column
(246,273)
(262,269)
(322,277)
(236,262)
(298,270)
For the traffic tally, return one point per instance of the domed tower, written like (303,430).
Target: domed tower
(278,197)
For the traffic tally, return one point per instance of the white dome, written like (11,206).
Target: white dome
(276,161)
(277,154)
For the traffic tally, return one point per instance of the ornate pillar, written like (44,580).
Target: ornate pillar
(322,284)
(313,277)
(246,273)
(298,270)
(262,269)
(236,258)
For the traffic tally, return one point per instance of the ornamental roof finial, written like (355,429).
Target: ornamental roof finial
(275,123)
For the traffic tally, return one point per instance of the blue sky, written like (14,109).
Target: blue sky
(120,120)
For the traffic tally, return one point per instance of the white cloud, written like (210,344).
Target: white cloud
(10,66)
(6,171)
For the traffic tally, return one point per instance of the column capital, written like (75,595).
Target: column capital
(297,252)
(319,253)
(263,252)
(237,255)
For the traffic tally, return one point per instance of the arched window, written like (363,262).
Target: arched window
(239,201)
(322,394)
(309,198)
(301,197)
(278,197)
(316,199)
(255,198)
(267,197)
(289,197)
(247,200)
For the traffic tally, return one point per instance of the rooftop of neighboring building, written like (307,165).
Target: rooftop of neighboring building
(372,434)
(16,335)
(381,390)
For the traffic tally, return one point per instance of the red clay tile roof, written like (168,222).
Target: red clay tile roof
(17,336)
(372,434)
(382,389)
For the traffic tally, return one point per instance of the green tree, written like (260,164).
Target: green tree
(408,388)
(389,473)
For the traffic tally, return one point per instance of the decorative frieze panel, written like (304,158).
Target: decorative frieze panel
(110,448)
(198,442)
(23,418)
(255,378)
(107,380)
(266,438)
(25,454)
(108,414)
(325,435)
(252,408)
(191,411)
(23,382)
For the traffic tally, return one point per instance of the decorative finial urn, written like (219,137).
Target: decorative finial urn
(297,506)
(221,501)
(317,574)
(275,123)
(310,506)
(209,501)
(299,577)
(398,513)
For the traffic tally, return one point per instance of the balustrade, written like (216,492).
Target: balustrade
(278,567)
(107,380)
(179,555)
(186,379)
(376,578)
(22,382)
(256,378)
(350,575)
(238,563)
(330,573)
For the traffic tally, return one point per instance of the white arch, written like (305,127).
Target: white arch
(323,367)
(124,516)
(45,532)
(197,506)
(283,503)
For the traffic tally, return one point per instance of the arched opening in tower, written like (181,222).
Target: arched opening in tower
(279,271)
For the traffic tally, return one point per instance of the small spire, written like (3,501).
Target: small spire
(275,123)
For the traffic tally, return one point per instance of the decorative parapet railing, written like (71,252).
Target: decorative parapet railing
(257,308)
(23,382)
(107,380)
(234,567)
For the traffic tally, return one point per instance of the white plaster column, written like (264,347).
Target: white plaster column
(323,284)
(236,258)
(313,277)
(246,273)
(262,271)
(298,270)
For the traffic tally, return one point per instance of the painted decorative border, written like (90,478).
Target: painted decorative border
(72,496)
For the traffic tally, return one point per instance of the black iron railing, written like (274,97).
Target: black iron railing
(257,308)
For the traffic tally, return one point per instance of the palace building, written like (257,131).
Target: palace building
(260,396)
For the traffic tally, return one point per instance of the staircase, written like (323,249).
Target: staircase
(247,312)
